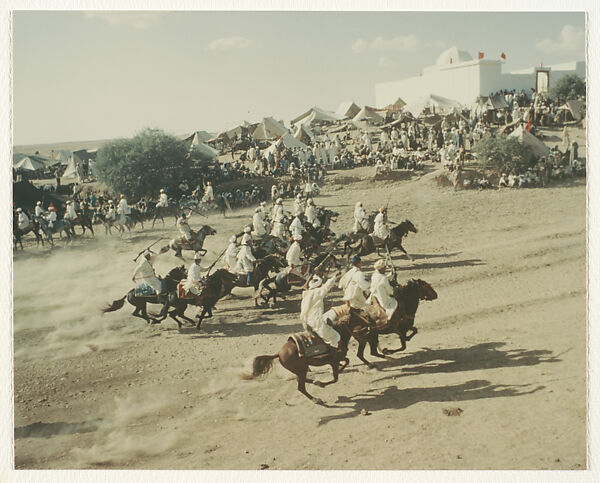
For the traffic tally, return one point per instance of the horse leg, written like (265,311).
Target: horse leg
(405,252)
(403,339)
(373,343)
(360,353)
(335,364)
(201,317)
(413,331)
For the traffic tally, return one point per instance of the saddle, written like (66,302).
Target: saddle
(309,344)
(182,293)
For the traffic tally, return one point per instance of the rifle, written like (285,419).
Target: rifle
(392,266)
(214,263)
(196,211)
(148,248)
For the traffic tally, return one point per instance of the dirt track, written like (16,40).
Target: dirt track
(505,342)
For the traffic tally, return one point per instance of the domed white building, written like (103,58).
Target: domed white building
(458,76)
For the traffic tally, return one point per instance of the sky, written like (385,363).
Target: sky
(102,75)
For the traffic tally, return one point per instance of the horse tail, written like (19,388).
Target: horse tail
(116,305)
(261,365)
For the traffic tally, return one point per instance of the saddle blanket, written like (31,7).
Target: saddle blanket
(309,345)
(144,290)
(182,293)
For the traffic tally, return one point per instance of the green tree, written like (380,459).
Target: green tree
(568,87)
(504,154)
(142,165)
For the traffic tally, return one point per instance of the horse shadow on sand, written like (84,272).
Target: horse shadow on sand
(477,357)
(474,262)
(392,397)
(46,430)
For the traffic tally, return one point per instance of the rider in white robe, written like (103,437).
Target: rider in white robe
(39,211)
(144,273)
(361,219)
(163,200)
(194,281)
(70,213)
(311,212)
(245,261)
(298,205)
(209,194)
(277,209)
(184,228)
(296,228)
(381,229)
(278,229)
(294,256)
(123,208)
(230,256)
(51,217)
(111,214)
(23,219)
(312,310)
(382,290)
(258,223)
(353,283)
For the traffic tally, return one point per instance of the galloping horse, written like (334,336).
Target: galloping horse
(217,286)
(262,267)
(33,227)
(161,211)
(401,322)
(290,359)
(58,226)
(370,244)
(195,243)
(171,280)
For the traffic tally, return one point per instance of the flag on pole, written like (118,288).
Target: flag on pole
(480,55)
(503,55)
(528,126)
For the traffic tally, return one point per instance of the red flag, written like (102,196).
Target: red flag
(528,127)
(503,55)
(480,55)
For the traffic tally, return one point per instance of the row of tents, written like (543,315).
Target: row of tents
(69,162)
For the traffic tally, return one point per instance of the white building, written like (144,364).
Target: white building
(456,75)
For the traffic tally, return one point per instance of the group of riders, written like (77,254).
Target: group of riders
(290,228)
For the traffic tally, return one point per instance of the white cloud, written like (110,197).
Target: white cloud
(359,46)
(570,40)
(386,61)
(401,43)
(138,20)
(228,43)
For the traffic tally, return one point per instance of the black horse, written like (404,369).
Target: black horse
(171,281)
(33,227)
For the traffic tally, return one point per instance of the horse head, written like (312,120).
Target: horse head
(424,290)
(409,226)
(208,230)
(177,274)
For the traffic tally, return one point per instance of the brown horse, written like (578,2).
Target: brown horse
(370,244)
(401,321)
(290,359)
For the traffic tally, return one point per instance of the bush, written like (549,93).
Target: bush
(142,165)
(568,87)
(504,154)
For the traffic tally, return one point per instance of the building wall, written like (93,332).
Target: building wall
(466,81)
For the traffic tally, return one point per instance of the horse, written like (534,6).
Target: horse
(196,243)
(117,223)
(262,267)
(161,211)
(216,287)
(401,322)
(60,225)
(290,358)
(370,244)
(19,233)
(171,281)
(84,221)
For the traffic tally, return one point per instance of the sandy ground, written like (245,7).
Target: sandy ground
(505,342)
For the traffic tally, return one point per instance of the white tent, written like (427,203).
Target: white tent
(303,133)
(317,115)
(205,151)
(268,129)
(435,104)
(347,109)
(288,141)
(71,174)
(29,164)
(61,155)
(528,139)
(368,114)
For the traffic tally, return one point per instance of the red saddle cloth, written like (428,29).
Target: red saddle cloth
(183,294)
(309,345)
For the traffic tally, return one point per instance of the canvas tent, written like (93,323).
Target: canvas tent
(205,151)
(304,134)
(368,114)
(432,103)
(317,115)
(269,128)
(496,102)
(288,141)
(61,155)
(396,106)
(347,109)
(196,137)
(29,163)
(577,109)
(528,139)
